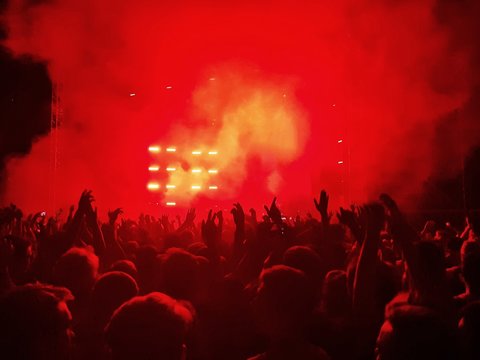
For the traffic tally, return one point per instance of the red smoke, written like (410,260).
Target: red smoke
(291,80)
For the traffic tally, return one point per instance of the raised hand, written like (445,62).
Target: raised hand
(113,215)
(238,215)
(346,217)
(392,207)
(253,216)
(352,220)
(322,206)
(210,230)
(274,212)
(85,202)
(190,218)
(165,222)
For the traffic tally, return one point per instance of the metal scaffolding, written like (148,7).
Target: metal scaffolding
(56,122)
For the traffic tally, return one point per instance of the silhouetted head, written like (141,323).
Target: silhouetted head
(285,299)
(336,299)
(35,323)
(179,274)
(415,333)
(77,270)
(110,291)
(307,260)
(22,257)
(149,327)
(125,266)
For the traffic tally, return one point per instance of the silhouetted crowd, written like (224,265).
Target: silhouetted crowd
(362,284)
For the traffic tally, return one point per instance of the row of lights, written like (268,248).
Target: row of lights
(155,168)
(153,186)
(157,149)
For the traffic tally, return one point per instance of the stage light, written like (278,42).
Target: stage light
(153,168)
(170,186)
(340,162)
(171,149)
(169,87)
(170,203)
(212,79)
(196,171)
(154,149)
(340,141)
(212,152)
(213,171)
(196,152)
(196,187)
(213,187)
(132,94)
(152,186)
(171,169)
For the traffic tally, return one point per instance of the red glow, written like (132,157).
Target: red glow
(264,92)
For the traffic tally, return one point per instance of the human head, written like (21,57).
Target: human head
(285,299)
(35,323)
(307,260)
(179,274)
(153,326)
(126,266)
(415,333)
(22,257)
(77,270)
(110,291)
(335,296)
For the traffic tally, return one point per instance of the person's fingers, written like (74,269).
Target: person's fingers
(266,209)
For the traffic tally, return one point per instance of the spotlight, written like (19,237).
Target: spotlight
(153,168)
(153,186)
(154,149)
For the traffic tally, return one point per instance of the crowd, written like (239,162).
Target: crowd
(361,285)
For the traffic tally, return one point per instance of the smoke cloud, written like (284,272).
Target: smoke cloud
(345,95)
